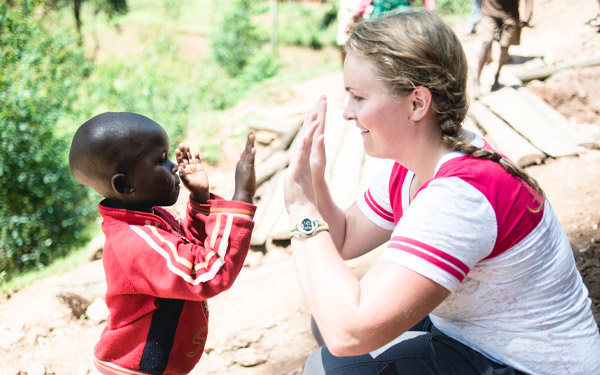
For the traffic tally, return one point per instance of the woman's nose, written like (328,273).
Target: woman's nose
(348,113)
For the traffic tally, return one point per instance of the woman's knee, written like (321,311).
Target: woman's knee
(314,363)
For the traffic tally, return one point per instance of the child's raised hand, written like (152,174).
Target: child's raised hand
(192,173)
(245,175)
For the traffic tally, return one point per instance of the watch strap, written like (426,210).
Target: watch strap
(316,226)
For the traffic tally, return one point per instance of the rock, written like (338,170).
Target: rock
(36,369)
(248,357)
(96,247)
(246,338)
(33,334)
(253,259)
(77,303)
(10,336)
(97,312)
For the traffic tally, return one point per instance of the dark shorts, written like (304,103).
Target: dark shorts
(425,351)
(506,30)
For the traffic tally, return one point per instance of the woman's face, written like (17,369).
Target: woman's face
(382,118)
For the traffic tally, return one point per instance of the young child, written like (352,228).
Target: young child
(160,269)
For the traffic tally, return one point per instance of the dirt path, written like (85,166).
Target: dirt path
(261,325)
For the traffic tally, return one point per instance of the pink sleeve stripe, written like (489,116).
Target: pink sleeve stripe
(447,257)
(383,213)
(429,258)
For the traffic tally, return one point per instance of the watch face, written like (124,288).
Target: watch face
(307,225)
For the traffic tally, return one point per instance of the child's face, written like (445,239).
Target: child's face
(153,176)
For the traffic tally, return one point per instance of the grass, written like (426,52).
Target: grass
(185,16)
(61,265)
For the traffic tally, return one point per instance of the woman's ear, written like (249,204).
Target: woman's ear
(120,184)
(421,103)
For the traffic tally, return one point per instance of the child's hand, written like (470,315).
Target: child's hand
(245,176)
(192,174)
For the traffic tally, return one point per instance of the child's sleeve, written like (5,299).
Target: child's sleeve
(180,267)
(225,229)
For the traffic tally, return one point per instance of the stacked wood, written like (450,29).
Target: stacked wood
(504,138)
(532,122)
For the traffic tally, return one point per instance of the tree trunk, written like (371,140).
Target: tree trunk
(77,14)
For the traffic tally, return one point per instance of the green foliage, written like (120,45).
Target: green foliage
(234,41)
(159,84)
(302,24)
(110,8)
(449,6)
(260,67)
(453,6)
(44,210)
(151,83)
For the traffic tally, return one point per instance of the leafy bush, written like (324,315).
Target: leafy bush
(151,83)
(302,24)
(449,6)
(158,83)
(234,41)
(44,211)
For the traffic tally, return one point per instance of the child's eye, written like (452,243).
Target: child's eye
(357,98)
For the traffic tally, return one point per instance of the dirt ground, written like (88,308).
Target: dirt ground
(261,325)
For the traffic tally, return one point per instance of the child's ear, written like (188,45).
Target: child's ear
(120,184)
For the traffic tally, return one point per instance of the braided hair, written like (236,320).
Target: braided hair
(415,49)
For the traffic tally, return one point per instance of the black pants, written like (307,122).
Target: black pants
(425,351)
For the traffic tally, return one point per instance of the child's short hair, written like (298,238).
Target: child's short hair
(98,147)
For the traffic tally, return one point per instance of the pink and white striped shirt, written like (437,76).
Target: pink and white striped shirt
(517,296)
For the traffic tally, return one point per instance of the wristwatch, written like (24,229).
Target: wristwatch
(308,226)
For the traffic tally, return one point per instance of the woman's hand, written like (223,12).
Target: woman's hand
(309,158)
(192,173)
(318,158)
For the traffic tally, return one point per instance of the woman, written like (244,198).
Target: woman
(478,275)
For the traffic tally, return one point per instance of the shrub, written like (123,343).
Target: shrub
(152,82)
(234,41)
(44,210)
(301,24)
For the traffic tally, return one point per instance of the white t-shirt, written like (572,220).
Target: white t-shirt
(517,296)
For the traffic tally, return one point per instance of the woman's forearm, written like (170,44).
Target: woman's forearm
(331,290)
(331,213)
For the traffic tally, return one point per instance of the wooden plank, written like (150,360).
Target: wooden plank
(268,209)
(274,163)
(276,125)
(504,138)
(469,124)
(545,72)
(280,227)
(507,104)
(557,120)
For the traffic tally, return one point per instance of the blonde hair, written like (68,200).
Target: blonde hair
(415,49)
